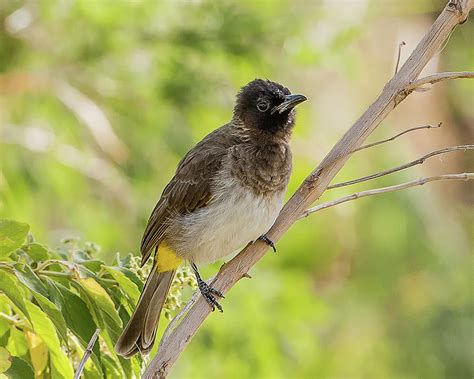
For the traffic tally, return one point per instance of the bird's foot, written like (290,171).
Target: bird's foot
(268,241)
(210,295)
(207,291)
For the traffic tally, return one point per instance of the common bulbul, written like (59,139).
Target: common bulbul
(227,191)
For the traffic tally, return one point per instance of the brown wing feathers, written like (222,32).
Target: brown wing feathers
(190,188)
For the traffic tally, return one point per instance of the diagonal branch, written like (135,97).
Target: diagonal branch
(455,13)
(396,136)
(397,187)
(402,167)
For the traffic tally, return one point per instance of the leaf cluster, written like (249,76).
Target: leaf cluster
(53,300)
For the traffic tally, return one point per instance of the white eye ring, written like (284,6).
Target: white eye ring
(263,106)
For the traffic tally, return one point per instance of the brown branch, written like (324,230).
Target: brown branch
(315,184)
(87,354)
(397,187)
(402,167)
(432,79)
(396,136)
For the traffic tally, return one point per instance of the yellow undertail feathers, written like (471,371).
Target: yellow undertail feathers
(167,259)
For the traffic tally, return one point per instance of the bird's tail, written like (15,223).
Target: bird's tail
(139,334)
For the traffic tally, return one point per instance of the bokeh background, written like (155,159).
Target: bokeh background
(100,99)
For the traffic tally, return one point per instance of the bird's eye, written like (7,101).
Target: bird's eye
(263,106)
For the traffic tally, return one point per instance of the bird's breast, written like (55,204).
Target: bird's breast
(263,169)
(234,218)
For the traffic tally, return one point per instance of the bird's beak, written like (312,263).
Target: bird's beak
(290,102)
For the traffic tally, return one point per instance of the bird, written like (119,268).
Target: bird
(227,192)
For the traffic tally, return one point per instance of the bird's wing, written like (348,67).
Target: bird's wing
(190,188)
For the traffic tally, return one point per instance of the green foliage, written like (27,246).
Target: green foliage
(54,300)
(14,233)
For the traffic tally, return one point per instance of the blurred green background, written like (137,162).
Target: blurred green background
(100,99)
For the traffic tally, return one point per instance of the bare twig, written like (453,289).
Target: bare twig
(455,13)
(87,354)
(399,55)
(402,167)
(397,187)
(396,136)
(432,79)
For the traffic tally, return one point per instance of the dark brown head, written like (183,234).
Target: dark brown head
(267,106)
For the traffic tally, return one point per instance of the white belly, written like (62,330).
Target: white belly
(236,217)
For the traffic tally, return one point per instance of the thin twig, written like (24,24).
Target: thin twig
(87,354)
(402,167)
(397,187)
(438,78)
(396,136)
(399,55)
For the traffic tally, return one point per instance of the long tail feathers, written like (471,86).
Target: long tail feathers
(140,332)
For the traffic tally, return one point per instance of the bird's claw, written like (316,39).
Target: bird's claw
(268,241)
(210,295)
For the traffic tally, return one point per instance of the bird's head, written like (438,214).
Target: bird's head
(266,106)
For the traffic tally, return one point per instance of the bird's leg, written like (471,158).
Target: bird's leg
(268,241)
(207,291)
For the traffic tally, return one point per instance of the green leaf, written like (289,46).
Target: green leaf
(125,304)
(133,277)
(26,276)
(4,324)
(122,363)
(126,366)
(38,351)
(91,372)
(94,265)
(104,303)
(41,294)
(105,315)
(20,369)
(91,305)
(4,332)
(17,343)
(44,327)
(74,310)
(12,236)
(111,367)
(9,286)
(38,252)
(5,359)
(136,362)
(129,287)
(54,314)
(77,316)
